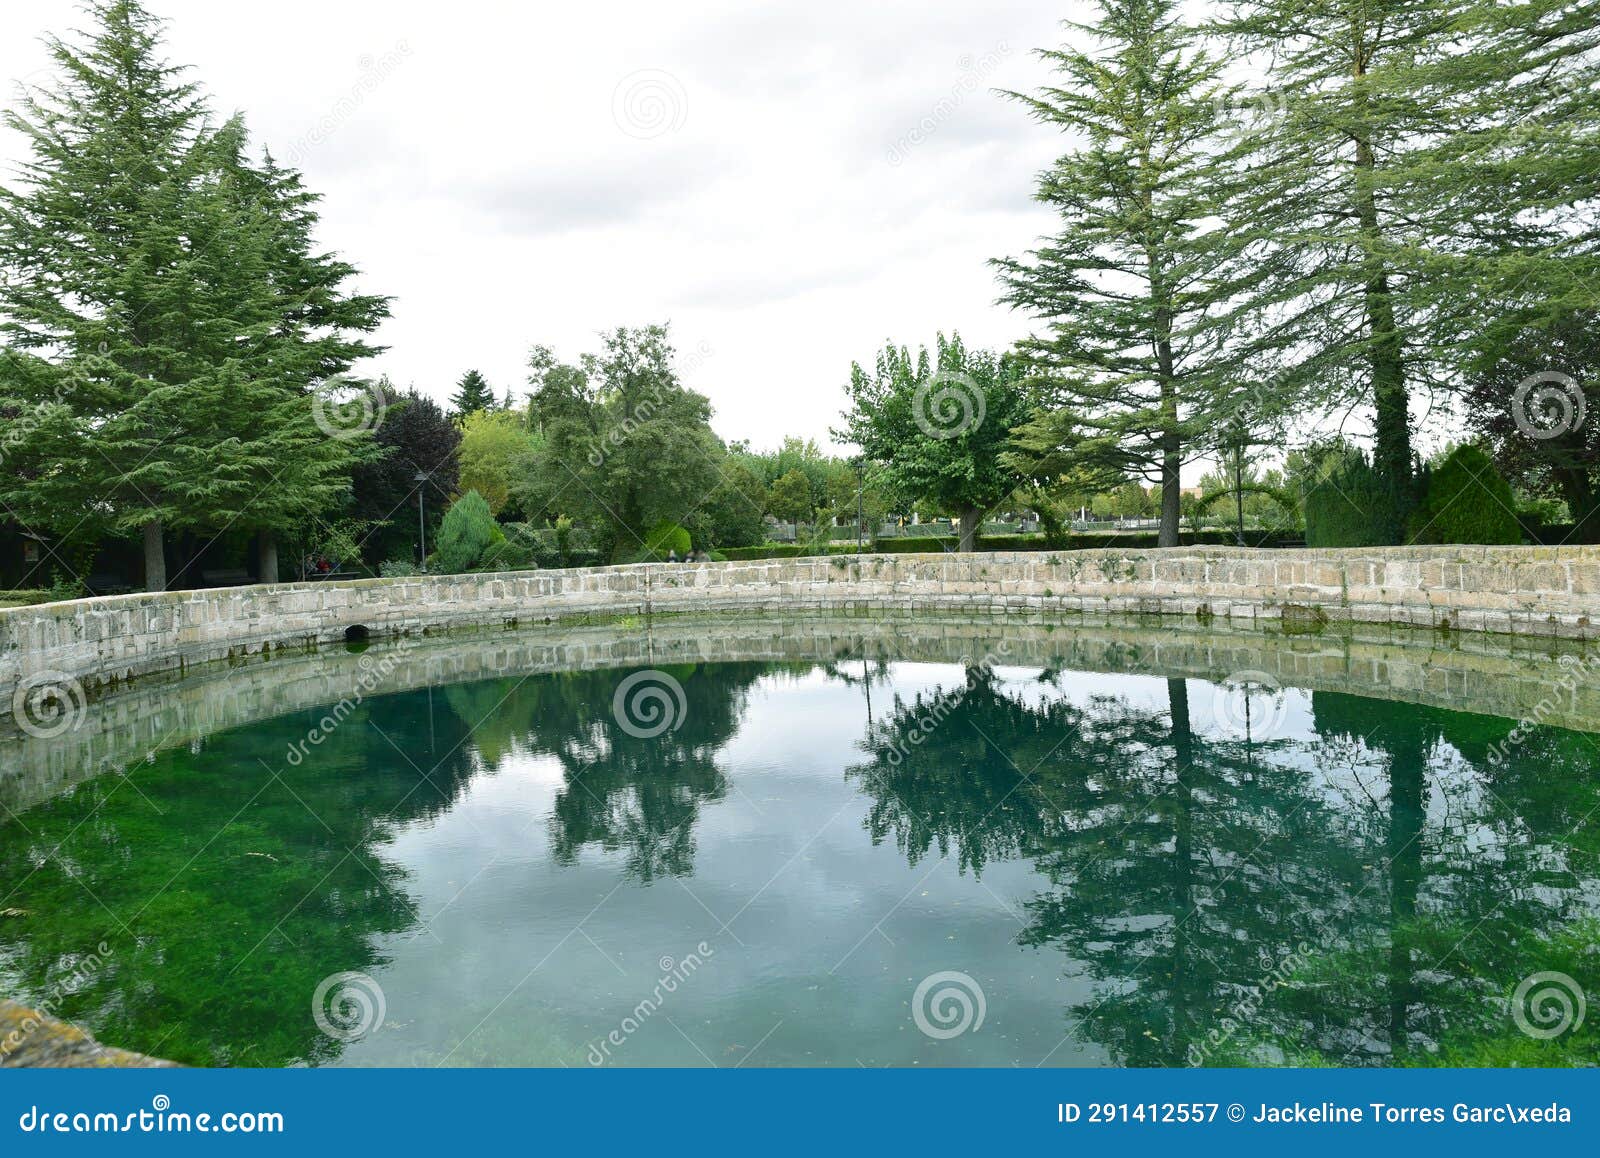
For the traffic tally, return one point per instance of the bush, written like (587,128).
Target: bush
(1352,505)
(397,568)
(664,537)
(465,534)
(937,544)
(1467,501)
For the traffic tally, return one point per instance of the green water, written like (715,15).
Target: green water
(1124,869)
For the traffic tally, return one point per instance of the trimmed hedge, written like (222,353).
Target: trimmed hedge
(1354,506)
(1468,501)
(935,544)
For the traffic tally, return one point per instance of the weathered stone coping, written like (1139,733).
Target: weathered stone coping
(31,1038)
(1490,675)
(1526,591)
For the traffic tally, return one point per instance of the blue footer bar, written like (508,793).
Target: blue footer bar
(797,1111)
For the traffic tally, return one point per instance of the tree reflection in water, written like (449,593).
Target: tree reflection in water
(1360,894)
(1365,884)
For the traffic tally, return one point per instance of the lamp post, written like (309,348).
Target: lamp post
(421,477)
(861,489)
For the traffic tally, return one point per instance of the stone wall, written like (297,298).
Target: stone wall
(1538,591)
(1479,673)
(29,1038)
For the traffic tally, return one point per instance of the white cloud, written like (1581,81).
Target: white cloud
(473,167)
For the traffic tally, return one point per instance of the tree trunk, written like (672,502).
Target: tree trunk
(1408,803)
(971,520)
(1171,492)
(1238,491)
(267,557)
(155,557)
(1171,436)
(1577,488)
(1391,451)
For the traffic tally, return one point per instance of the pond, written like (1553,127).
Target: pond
(847,844)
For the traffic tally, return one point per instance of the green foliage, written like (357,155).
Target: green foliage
(790,498)
(168,311)
(732,517)
(1136,288)
(1347,503)
(397,568)
(473,395)
(1467,501)
(1535,399)
(416,435)
(935,427)
(493,442)
(624,444)
(465,534)
(667,537)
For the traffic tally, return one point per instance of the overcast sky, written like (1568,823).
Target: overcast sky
(789,184)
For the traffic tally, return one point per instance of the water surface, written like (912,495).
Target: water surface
(1133,869)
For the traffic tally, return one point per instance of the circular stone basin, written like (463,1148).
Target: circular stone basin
(816,842)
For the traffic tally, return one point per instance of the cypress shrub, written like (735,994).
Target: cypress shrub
(465,534)
(1353,505)
(1467,501)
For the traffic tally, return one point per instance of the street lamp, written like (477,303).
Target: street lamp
(421,477)
(861,490)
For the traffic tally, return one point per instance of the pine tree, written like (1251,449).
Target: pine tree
(272,324)
(473,394)
(1426,187)
(1135,288)
(94,257)
(170,314)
